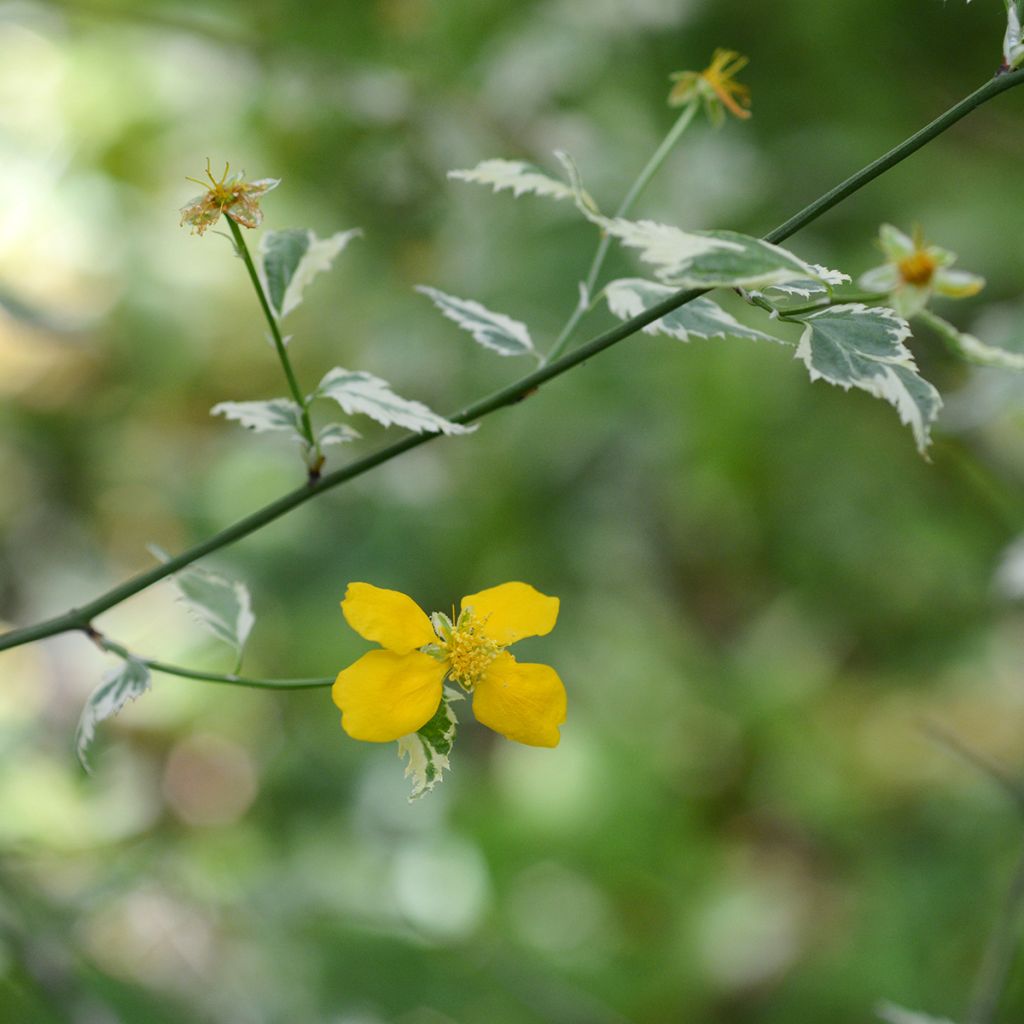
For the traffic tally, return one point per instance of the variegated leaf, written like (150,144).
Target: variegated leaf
(893,1014)
(335,433)
(699,318)
(359,392)
(222,606)
(291,259)
(495,331)
(1013,41)
(521,178)
(707,259)
(854,346)
(428,749)
(273,414)
(695,259)
(804,289)
(127,682)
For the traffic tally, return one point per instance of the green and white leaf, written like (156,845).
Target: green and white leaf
(582,198)
(222,606)
(515,175)
(1013,41)
(127,682)
(359,392)
(821,285)
(707,259)
(696,259)
(428,749)
(336,433)
(273,414)
(972,349)
(893,1014)
(854,346)
(699,318)
(290,259)
(495,331)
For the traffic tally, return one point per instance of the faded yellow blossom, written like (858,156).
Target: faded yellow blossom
(235,196)
(715,85)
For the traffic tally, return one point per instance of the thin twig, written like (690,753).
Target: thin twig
(1000,954)
(1012,787)
(231,679)
(79,618)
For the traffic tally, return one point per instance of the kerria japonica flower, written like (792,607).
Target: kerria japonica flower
(714,85)
(234,196)
(913,272)
(391,692)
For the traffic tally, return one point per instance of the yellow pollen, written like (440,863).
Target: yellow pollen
(469,652)
(918,269)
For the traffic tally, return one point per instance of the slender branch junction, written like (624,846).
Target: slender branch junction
(81,618)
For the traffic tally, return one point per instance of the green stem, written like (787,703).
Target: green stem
(992,88)
(211,677)
(832,300)
(79,618)
(1002,950)
(643,180)
(275,332)
(1010,786)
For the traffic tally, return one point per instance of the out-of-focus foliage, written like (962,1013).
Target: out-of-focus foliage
(765,591)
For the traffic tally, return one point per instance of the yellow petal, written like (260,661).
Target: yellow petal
(387,617)
(525,703)
(958,284)
(895,244)
(384,695)
(513,611)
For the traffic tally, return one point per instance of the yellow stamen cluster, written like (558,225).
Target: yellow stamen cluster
(468,652)
(918,268)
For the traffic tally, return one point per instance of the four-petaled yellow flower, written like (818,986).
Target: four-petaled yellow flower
(714,85)
(914,271)
(236,197)
(395,691)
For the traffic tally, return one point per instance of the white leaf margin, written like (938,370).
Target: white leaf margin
(517,176)
(888,386)
(891,1013)
(673,251)
(121,685)
(359,392)
(426,763)
(271,414)
(482,323)
(628,297)
(318,257)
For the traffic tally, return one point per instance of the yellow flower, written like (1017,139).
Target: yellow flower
(394,691)
(913,272)
(715,86)
(236,197)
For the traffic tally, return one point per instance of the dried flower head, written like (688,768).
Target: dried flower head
(714,85)
(235,196)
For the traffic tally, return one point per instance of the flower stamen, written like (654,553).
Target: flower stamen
(918,268)
(469,652)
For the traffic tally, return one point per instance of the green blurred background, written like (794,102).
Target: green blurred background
(766,593)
